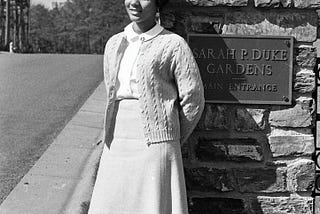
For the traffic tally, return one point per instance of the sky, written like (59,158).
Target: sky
(46,3)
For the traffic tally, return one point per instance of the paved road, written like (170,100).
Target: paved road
(39,94)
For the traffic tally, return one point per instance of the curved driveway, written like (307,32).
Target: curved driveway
(39,94)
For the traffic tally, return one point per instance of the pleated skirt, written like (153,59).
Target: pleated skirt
(134,178)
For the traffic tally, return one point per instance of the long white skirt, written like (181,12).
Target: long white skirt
(134,178)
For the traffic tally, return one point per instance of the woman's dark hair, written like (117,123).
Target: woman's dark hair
(161,3)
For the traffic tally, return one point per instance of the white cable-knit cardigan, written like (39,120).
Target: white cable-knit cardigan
(127,82)
(170,88)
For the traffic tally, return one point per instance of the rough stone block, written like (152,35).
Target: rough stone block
(317,208)
(284,205)
(307,4)
(318,136)
(228,150)
(318,67)
(290,132)
(300,24)
(211,150)
(209,179)
(318,100)
(306,56)
(245,153)
(234,3)
(261,179)
(206,24)
(214,117)
(305,81)
(300,176)
(295,117)
(291,145)
(247,119)
(306,102)
(287,3)
(267,3)
(216,205)
(273,3)
(185,149)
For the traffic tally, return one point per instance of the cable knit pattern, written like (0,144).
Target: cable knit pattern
(170,88)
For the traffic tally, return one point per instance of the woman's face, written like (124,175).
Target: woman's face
(141,11)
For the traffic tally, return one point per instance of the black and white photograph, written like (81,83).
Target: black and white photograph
(159,107)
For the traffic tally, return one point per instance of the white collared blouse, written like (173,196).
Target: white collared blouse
(126,85)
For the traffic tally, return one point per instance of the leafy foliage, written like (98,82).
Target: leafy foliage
(79,26)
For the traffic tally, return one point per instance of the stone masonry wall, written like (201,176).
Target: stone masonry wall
(253,159)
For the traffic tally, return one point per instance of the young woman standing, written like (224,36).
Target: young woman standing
(154,101)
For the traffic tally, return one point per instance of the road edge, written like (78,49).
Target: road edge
(62,179)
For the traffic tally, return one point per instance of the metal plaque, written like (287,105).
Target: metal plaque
(244,69)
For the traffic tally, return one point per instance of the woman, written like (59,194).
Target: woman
(155,98)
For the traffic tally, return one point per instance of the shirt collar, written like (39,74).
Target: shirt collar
(150,34)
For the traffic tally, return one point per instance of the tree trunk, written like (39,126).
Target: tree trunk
(7,27)
(21,30)
(1,24)
(16,26)
(26,26)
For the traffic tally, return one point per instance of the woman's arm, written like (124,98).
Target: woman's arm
(190,89)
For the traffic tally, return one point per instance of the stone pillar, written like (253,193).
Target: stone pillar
(253,159)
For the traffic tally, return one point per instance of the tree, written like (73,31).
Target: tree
(79,26)
(41,29)
(107,18)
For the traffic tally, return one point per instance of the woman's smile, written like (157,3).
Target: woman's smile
(135,12)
